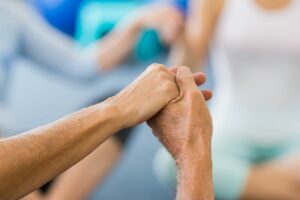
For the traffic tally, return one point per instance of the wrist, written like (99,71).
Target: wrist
(196,148)
(112,113)
(195,174)
(195,158)
(120,111)
(195,182)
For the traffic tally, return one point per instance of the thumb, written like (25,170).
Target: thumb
(185,79)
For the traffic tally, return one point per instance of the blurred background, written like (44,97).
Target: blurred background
(58,56)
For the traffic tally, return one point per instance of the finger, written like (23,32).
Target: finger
(174,69)
(199,78)
(185,79)
(207,94)
(156,67)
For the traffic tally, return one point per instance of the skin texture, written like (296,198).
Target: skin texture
(98,164)
(43,153)
(184,127)
(191,50)
(35,157)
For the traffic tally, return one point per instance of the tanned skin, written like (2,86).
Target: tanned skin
(168,22)
(33,158)
(185,128)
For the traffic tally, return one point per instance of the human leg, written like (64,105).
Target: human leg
(88,173)
(231,165)
(276,179)
(277,175)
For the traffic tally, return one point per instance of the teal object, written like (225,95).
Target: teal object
(97,18)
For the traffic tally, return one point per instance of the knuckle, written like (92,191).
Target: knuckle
(152,66)
(163,76)
(159,67)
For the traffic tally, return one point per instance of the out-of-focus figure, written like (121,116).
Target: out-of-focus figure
(254,48)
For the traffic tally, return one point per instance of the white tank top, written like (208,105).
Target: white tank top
(256,63)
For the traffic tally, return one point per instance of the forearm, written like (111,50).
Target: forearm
(195,174)
(117,45)
(44,153)
(192,48)
(187,53)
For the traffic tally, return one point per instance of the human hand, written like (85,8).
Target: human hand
(278,179)
(166,19)
(185,124)
(148,94)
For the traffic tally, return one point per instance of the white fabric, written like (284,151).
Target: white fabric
(256,62)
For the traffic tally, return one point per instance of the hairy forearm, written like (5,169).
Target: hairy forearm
(116,46)
(195,173)
(44,153)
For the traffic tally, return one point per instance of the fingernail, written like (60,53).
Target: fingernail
(184,70)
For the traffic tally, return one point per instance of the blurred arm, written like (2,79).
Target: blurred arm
(115,46)
(191,48)
(50,48)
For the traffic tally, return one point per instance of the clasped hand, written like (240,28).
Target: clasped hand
(171,102)
(184,126)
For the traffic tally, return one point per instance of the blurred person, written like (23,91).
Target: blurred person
(24,34)
(254,48)
(62,14)
(33,158)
